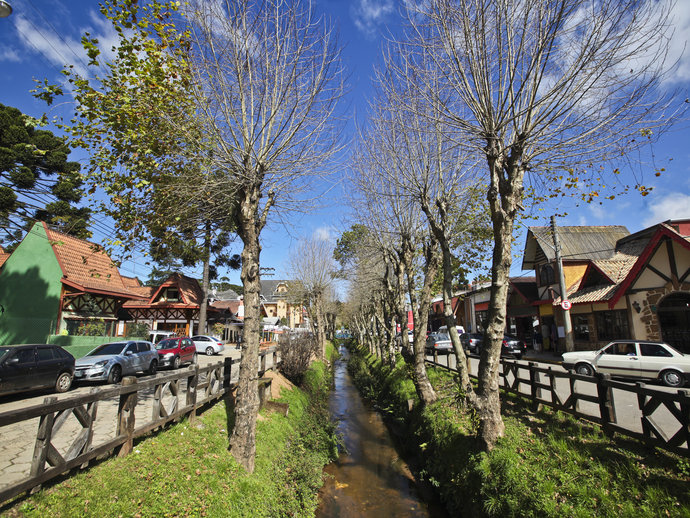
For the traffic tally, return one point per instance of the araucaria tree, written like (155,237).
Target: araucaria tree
(36,179)
(546,93)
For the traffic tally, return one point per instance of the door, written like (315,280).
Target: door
(131,359)
(187,349)
(48,365)
(18,370)
(620,359)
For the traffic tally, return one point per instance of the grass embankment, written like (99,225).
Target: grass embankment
(548,463)
(188,471)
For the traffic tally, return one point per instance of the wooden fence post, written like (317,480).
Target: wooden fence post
(606,409)
(227,374)
(192,382)
(43,438)
(275,360)
(684,396)
(535,391)
(262,369)
(125,416)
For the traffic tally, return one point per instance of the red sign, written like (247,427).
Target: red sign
(566,305)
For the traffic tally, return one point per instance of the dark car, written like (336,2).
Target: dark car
(471,341)
(173,352)
(513,346)
(31,367)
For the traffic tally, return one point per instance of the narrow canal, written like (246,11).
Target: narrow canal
(369,479)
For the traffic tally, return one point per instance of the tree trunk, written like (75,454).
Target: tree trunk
(243,438)
(320,324)
(420,310)
(504,198)
(205,283)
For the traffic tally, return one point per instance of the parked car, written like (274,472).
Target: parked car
(209,345)
(633,359)
(173,352)
(444,329)
(157,335)
(109,362)
(471,341)
(439,342)
(32,367)
(513,346)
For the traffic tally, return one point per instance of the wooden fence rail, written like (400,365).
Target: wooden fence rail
(539,384)
(172,400)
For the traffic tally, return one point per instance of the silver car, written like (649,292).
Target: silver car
(208,345)
(633,359)
(112,361)
(439,342)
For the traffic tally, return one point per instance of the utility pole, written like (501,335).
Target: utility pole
(569,343)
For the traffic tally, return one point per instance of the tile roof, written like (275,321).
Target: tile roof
(577,243)
(3,256)
(86,265)
(190,292)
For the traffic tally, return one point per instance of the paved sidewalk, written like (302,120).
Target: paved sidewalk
(543,356)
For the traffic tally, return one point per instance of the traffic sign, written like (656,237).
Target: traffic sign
(566,305)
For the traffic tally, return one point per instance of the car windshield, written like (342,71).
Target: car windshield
(443,336)
(107,349)
(167,344)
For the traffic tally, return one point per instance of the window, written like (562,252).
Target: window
(26,356)
(172,294)
(612,325)
(654,350)
(581,328)
(45,353)
(546,275)
(621,349)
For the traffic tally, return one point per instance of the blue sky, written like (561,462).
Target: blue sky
(42,35)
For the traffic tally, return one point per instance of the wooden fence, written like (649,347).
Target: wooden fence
(172,401)
(538,384)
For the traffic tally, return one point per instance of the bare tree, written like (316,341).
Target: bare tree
(399,226)
(313,267)
(267,78)
(541,91)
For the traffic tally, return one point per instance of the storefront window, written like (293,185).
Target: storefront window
(581,328)
(612,325)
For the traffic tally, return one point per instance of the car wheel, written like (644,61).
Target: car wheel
(584,369)
(672,378)
(176,362)
(153,367)
(115,375)
(209,351)
(518,356)
(63,382)
(195,359)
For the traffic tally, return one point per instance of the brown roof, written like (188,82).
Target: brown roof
(232,305)
(190,293)
(3,256)
(577,243)
(85,265)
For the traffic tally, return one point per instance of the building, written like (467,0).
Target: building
(277,302)
(620,285)
(54,283)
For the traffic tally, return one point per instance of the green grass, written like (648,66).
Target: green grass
(548,463)
(188,471)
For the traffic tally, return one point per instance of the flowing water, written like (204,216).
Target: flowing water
(369,479)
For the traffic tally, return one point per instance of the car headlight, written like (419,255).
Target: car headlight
(101,363)
(168,355)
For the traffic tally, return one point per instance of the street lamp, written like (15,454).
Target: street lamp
(5,9)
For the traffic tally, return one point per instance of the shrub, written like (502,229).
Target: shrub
(296,352)
(137,330)
(218,329)
(92,328)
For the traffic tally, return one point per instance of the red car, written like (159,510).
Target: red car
(173,352)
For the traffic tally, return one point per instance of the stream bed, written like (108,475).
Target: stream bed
(369,479)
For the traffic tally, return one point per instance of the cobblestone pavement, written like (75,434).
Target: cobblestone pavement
(18,440)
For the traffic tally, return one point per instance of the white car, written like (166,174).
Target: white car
(208,345)
(633,359)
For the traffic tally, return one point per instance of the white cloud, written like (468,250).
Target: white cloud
(8,54)
(671,206)
(323,233)
(369,14)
